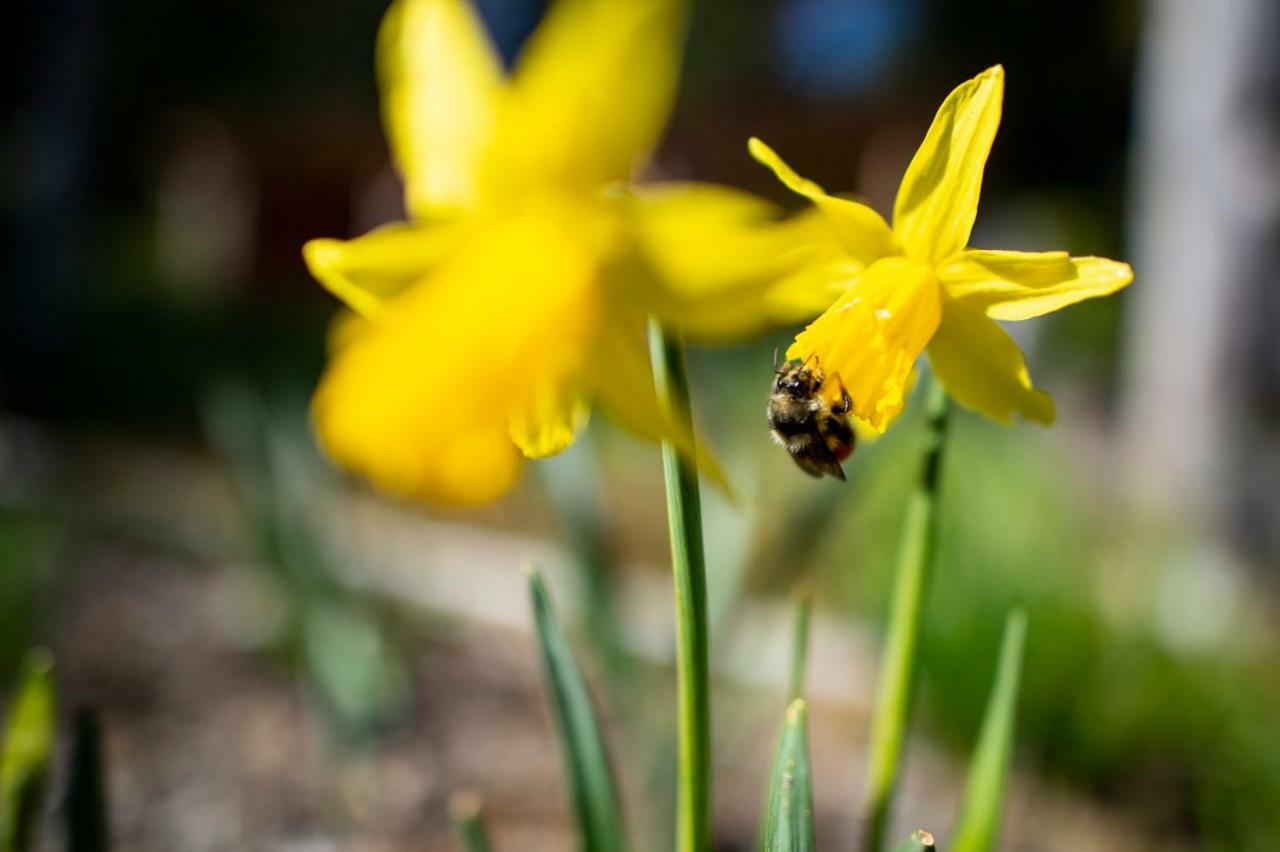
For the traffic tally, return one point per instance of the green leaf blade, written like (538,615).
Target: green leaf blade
(26,752)
(979,823)
(789,826)
(590,776)
(801,615)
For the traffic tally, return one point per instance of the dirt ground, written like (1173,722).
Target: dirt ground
(212,744)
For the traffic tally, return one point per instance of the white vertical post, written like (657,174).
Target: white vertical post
(1182,392)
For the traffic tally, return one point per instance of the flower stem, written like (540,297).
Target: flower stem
(684,518)
(900,659)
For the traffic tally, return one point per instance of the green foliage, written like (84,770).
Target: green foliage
(1108,704)
(25,753)
(979,822)
(586,760)
(789,826)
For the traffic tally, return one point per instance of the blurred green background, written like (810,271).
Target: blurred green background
(281,659)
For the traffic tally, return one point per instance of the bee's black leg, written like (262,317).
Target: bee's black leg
(838,428)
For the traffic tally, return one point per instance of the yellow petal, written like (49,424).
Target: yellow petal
(1014,285)
(441,82)
(715,254)
(696,231)
(549,420)
(812,287)
(938,199)
(422,400)
(868,341)
(861,230)
(369,270)
(592,91)
(982,368)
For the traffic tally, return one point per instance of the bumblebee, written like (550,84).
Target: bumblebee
(803,420)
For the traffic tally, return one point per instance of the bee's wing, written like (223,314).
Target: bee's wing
(815,458)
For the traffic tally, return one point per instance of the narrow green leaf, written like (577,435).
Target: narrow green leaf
(595,801)
(467,816)
(899,660)
(919,841)
(800,644)
(25,754)
(85,800)
(795,690)
(979,822)
(790,818)
(689,570)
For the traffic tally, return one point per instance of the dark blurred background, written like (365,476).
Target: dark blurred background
(282,660)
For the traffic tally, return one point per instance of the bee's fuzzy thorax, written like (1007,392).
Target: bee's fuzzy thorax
(808,417)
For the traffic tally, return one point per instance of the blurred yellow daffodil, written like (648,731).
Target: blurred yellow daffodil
(516,297)
(915,285)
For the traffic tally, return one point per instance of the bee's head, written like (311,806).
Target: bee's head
(796,380)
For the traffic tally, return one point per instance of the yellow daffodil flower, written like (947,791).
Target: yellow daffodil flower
(916,286)
(516,297)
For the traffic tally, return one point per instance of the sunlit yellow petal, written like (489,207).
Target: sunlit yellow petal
(421,401)
(592,91)
(938,199)
(367,271)
(1014,285)
(714,253)
(861,230)
(552,416)
(813,286)
(868,341)
(697,234)
(982,368)
(441,82)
